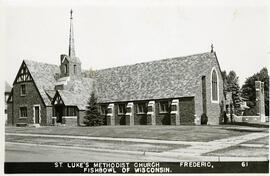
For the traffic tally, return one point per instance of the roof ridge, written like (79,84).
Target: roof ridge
(39,62)
(159,60)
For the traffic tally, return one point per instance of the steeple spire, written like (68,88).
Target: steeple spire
(71,50)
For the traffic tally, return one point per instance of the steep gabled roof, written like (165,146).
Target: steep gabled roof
(77,93)
(43,76)
(167,78)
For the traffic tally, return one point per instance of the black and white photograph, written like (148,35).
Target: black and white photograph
(135,87)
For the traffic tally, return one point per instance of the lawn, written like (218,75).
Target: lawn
(98,144)
(178,133)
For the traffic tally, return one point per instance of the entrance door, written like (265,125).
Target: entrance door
(59,113)
(36,114)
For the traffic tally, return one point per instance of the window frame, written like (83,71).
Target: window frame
(141,106)
(122,112)
(166,108)
(71,111)
(216,88)
(23,90)
(103,109)
(23,114)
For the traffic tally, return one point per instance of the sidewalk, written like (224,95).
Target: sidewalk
(192,153)
(197,150)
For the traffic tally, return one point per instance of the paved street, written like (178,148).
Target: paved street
(33,153)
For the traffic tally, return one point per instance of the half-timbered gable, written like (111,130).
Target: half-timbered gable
(32,91)
(23,74)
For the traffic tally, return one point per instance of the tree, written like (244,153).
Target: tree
(90,73)
(92,117)
(231,84)
(249,92)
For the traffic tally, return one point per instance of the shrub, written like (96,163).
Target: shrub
(92,117)
(204,119)
(225,118)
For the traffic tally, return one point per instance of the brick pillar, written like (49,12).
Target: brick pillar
(152,111)
(259,87)
(175,110)
(111,113)
(130,113)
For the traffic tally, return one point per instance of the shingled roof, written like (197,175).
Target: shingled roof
(43,76)
(78,92)
(167,78)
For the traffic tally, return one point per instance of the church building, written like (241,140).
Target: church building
(175,91)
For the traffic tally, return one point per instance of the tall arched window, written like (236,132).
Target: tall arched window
(214,82)
(65,69)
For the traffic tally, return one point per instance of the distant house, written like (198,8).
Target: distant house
(174,91)
(7,94)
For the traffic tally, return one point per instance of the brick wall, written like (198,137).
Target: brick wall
(10,114)
(173,118)
(140,119)
(31,98)
(80,119)
(49,115)
(70,121)
(162,118)
(213,108)
(187,111)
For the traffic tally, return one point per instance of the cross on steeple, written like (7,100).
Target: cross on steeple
(71,51)
(212,48)
(71,11)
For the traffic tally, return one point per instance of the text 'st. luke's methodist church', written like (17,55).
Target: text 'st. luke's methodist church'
(172,91)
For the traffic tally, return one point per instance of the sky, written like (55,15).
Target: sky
(114,33)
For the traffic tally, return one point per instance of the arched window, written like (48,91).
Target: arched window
(214,88)
(65,69)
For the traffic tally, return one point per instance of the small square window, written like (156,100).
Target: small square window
(141,108)
(103,109)
(71,111)
(163,106)
(23,90)
(23,111)
(121,109)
